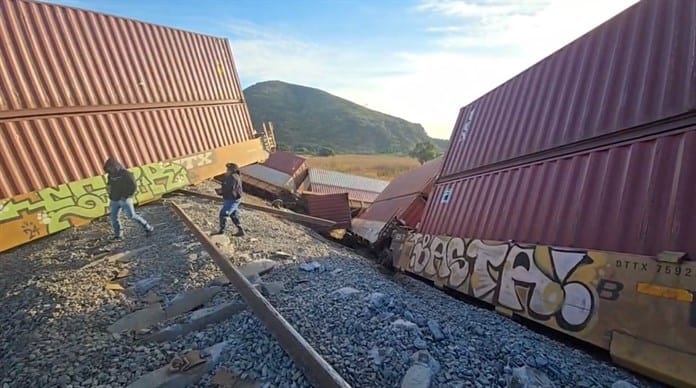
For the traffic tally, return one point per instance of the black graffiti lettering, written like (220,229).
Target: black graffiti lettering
(632,265)
(668,269)
(659,268)
(30,229)
(609,289)
(688,273)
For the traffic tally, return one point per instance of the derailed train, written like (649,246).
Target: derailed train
(564,196)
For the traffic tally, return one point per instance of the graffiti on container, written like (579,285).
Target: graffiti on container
(62,206)
(542,282)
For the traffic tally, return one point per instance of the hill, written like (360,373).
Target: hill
(306,119)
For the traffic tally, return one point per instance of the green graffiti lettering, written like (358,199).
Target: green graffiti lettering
(88,198)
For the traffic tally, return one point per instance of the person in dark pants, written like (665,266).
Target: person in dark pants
(231,192)
(121,186)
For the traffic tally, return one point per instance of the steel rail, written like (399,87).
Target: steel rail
(315,368)
(286,214)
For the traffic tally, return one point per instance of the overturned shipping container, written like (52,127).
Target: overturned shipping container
(77,87)
(361,191)
(402,201)
(564,196)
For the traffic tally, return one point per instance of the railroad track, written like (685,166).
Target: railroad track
(82,312)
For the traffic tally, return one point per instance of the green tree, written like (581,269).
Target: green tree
(424,151)
(326,151)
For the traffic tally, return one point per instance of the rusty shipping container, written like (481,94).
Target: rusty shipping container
(370,223)
(636,69)
(334,207)
(633,197)
(417,180)
(365,197)
(290,164)
(404,198)
(78,86)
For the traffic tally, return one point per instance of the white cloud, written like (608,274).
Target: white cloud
(475,46)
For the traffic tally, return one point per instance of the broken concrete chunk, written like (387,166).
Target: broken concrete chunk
(142,286)
(345,292)
(138,320)
(189,300)
(423,357)
(376,300)
(164,377)
(528,377)
(417,376)
(257,267)
(151,297)
(435,330)
(197,321)
(310,267)
(271,288)
(420,344)
(404,324)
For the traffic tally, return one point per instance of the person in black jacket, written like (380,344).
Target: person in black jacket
(232,195)
(121,186)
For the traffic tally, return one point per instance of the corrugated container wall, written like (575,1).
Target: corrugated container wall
(633,197)
(78,86)
(332,207)
(268,175)
(353,194)
(291,164)
(418,180)
(339,179)
(635,69)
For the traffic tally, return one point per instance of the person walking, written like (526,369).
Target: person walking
(121,186)
(231,192)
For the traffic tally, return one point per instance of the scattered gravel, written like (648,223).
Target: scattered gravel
(370,325)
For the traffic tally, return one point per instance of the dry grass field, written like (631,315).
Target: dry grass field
(385,167)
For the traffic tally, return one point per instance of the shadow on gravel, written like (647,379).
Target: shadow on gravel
(55,311)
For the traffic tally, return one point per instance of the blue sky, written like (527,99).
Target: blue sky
(420,60)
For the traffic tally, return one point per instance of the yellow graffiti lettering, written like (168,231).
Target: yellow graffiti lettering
(541,282)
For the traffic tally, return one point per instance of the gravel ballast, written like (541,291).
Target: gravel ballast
(370,325)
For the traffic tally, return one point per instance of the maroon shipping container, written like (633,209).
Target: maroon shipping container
(45,152)
(404,198)
(78,86)
(61,57)
(288,163)
(332,207)
(637,68)
(633,197)
(354,194)
(417,180)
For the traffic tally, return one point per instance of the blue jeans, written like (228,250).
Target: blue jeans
(230,208)
(127,206)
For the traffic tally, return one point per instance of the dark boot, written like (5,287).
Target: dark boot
(240,231)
